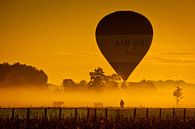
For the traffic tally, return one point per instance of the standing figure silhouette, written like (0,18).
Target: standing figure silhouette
(122,103)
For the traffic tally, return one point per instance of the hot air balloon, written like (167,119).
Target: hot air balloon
(124,38)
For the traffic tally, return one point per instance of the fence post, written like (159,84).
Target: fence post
(146,113)
(60,113)
(106,113)
(87,112)
(173,113)
(75,115)
(134,113)
(95,119)
(13,114)
(95,112)
(117,113)
(184,114)
(28,113)
(45,113)
(160,110)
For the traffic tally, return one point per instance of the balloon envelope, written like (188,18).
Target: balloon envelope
(124,37)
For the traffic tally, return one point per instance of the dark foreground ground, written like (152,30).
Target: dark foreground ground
(96,123)
(97,118)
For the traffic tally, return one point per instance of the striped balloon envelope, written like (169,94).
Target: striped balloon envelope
(124,37)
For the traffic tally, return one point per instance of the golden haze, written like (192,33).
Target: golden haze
(34,97)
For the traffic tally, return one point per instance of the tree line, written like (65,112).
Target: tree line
(98,80)
(21,74)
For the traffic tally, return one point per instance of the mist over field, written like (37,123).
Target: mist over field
(133,97)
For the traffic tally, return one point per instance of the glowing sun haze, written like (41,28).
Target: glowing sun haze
(59,37)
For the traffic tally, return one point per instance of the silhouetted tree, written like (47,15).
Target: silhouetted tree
(148,83)
(178,94)
(112,80)
(68,83)
(20,74)
(83,83)
(97,78)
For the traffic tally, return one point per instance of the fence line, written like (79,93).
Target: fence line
(160,113)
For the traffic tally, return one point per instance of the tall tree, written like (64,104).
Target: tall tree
(112,80)
(178,94)
(68,83)
(97,78)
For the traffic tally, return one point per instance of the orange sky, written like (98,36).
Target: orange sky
(58,36)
